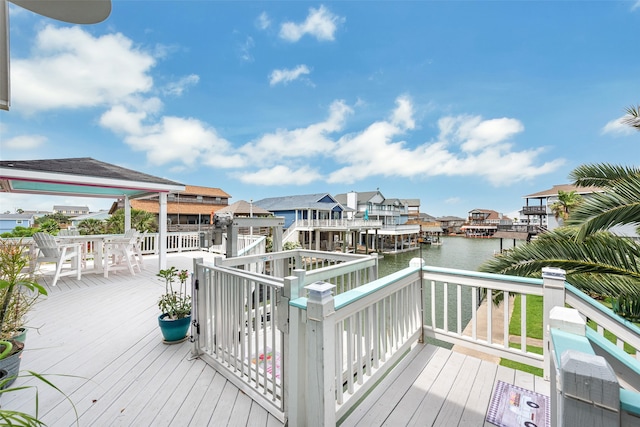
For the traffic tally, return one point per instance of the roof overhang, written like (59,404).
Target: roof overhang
(14,179)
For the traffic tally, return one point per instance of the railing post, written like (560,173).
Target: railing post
(294,393)
(196,280)
(321,406)
(553,296)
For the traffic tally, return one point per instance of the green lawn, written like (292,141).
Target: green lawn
(521,366)
(534,316)
(535,329)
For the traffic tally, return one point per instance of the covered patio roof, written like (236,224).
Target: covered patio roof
(87,177)
(82,177)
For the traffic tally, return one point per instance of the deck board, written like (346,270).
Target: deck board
(102,336)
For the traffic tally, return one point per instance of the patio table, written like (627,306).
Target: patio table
(92,244)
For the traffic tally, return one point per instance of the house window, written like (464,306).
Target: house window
(18,222)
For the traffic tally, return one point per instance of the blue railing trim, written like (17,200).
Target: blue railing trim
(481,275)
(563,341)
(600,307)
(299,303)
(630,401)
(353,295)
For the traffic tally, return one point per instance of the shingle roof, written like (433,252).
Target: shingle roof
(242,207)
(85,166)
(304,201)
(567,188)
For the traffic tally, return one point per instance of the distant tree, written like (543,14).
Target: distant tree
(140,220)
(22,232)
(565,204)
(92,226)
(20,211)
(58,217)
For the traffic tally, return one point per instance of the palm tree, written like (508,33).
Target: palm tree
(140,220)
(566,202)
(595,259)
(91,226)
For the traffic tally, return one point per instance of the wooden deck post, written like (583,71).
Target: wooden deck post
(590,391)
(294,357)
(553,283)
(321,406)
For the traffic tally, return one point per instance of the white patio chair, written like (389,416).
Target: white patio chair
(61,254)
(120,253)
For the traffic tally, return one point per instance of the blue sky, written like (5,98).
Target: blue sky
(463,105)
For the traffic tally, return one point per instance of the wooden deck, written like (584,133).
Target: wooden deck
(99,342)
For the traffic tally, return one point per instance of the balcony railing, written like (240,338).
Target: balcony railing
(534,210)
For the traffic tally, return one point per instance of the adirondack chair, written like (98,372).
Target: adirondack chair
(120,253)
(61,254)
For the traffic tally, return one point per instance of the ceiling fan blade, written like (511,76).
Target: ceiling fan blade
(72,11)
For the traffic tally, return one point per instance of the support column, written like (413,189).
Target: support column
(553,283)
(162,231)
(127,214)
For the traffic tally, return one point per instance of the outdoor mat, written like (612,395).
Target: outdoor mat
(513,406)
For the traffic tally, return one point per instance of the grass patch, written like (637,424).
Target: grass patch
(521,366)
(535,308)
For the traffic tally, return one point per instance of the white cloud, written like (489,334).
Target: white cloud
(467,146)
(263,22)
(24,142)
(281,175)
(172,139)
(71,68)
(636,5)
(617,128)
(310,141)
(320,23)
(178,88)
(285,76)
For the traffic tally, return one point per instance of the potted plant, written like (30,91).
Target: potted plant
(175,306)
(18,293)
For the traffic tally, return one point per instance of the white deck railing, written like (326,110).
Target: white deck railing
(460,311)
(235,321)
(176,242)
(334,330)
(240,312)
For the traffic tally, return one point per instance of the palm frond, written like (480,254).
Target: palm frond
(600,255)
(602,174)
(633,117)
(619,205)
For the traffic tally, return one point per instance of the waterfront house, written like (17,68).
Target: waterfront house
(313,220)
(450,224)
(10,221)
(395,234)
(483,223)
(187,210)
(71,210)
(537,210)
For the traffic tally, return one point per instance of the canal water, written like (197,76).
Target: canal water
(455,252)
